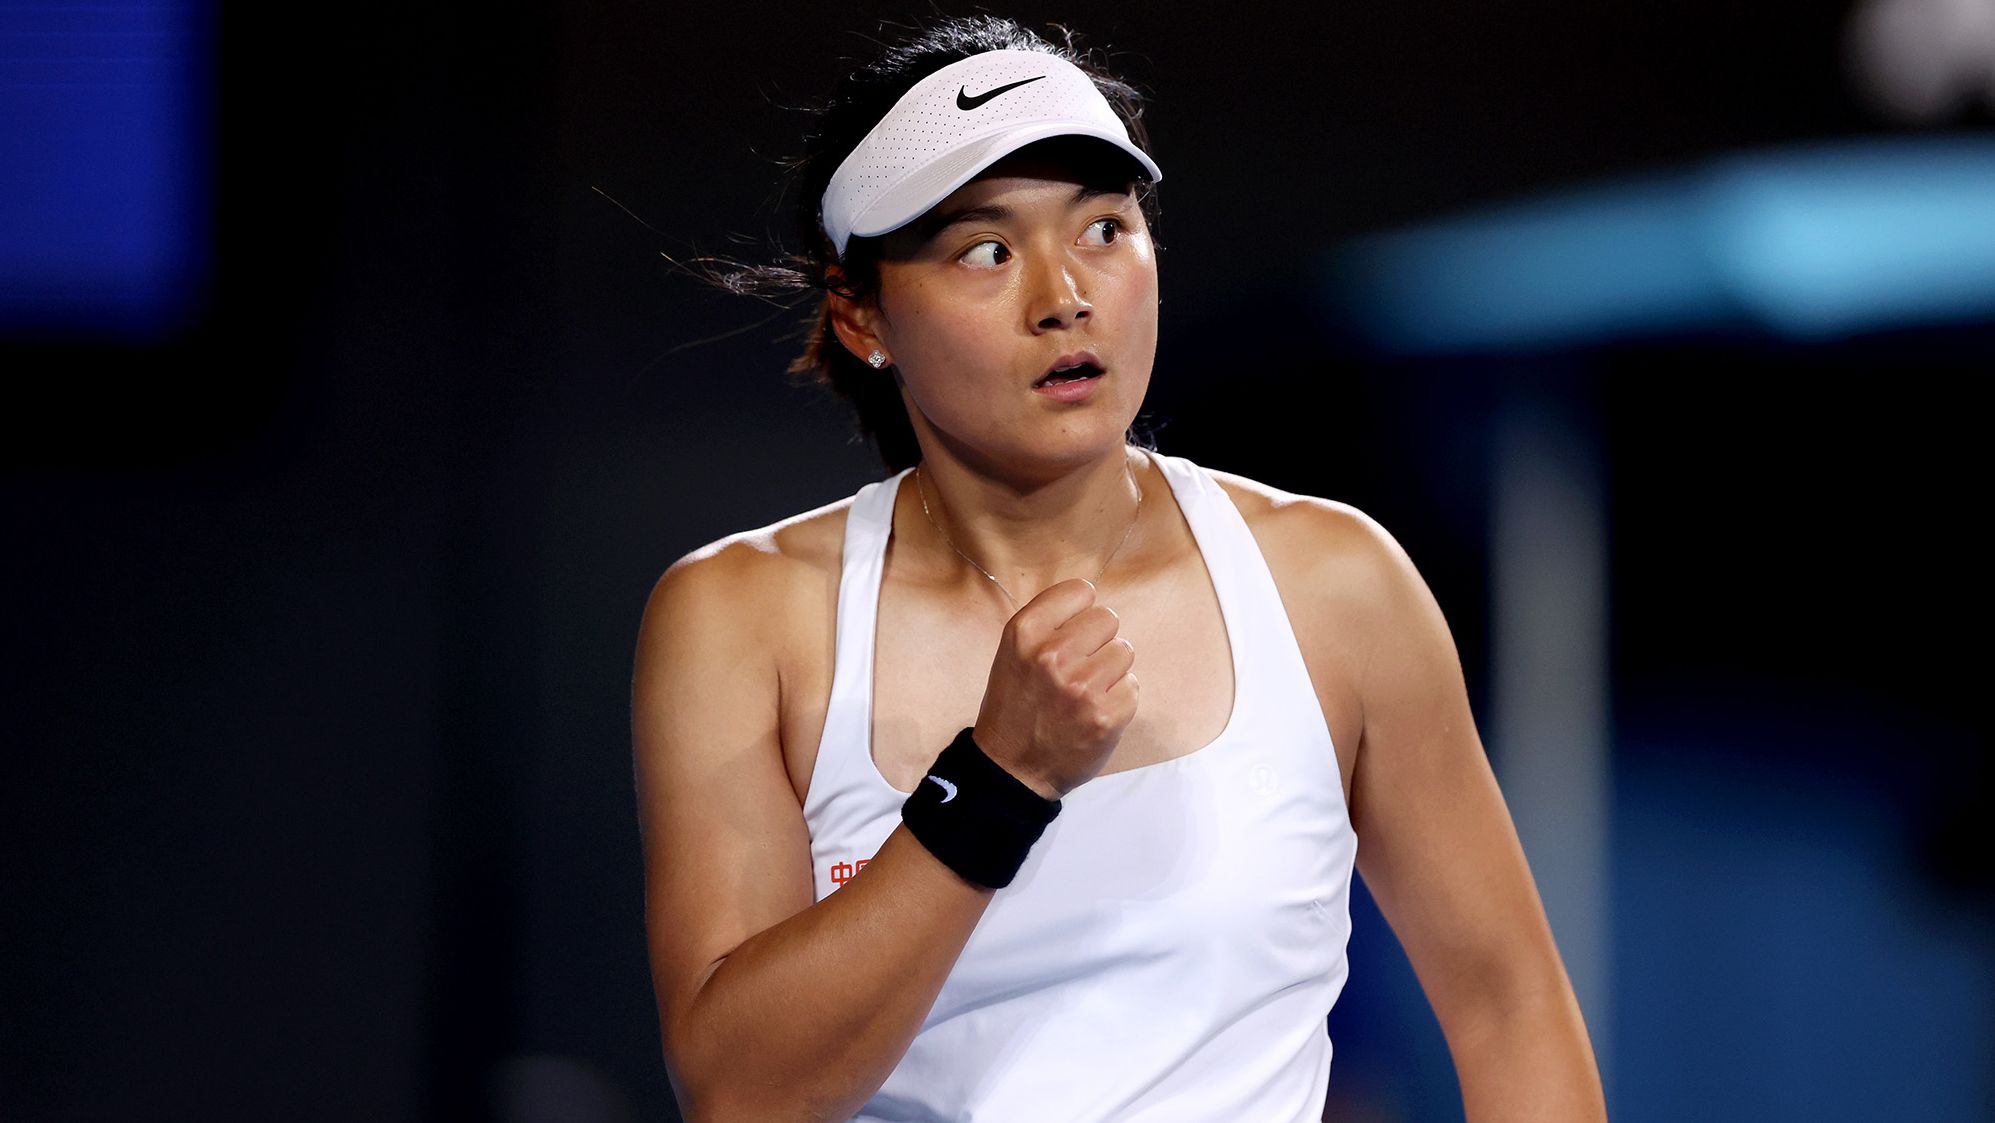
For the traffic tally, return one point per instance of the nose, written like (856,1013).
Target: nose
(1056,297)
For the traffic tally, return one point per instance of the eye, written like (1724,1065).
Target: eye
(1112,227)
(976,255)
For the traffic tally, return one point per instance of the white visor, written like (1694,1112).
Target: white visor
(955,123)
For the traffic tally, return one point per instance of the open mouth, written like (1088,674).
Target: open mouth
(1071,374)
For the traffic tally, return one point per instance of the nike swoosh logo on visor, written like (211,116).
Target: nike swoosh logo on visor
(965,102)
(946,786)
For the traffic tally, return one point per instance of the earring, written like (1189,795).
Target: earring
(877,359)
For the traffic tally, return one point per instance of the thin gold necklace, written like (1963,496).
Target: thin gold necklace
(987,573)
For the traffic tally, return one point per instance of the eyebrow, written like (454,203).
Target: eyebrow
(936,223)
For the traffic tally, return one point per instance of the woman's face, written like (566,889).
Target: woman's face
(1028,264)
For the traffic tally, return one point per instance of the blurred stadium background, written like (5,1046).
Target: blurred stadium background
(354,410)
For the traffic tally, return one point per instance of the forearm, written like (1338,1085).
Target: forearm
(807,1019)
(1529,1059)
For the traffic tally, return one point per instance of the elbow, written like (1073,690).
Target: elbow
(723,1104)
(709,1089)
(702,1090)
(705,1100)
(718,1077)
(698,1081)
(693,1086)
(732,1099)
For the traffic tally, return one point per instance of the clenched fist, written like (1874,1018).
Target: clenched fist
(1060,691)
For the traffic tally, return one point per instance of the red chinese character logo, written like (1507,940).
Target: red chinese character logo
(843,872)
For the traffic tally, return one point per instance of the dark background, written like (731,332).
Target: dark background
(319,802)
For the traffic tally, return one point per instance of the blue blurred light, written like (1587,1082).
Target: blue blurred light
(1806,244)
(104,167)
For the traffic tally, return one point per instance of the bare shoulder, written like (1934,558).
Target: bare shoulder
(755,576)
(1330,548)
(706,732)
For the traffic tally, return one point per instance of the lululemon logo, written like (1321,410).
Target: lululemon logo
(967,101)
(946,786)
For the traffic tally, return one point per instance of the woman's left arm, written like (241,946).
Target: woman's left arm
(1440,855)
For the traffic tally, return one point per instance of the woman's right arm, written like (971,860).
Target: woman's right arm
(770,1006)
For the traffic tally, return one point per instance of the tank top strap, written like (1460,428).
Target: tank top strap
(841,751)
(1272,685)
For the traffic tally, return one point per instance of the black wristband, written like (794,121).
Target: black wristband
(973,815)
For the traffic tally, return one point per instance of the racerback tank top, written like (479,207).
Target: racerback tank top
(1172,946)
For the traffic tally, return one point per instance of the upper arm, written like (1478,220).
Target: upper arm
(726,850)
(1437,847)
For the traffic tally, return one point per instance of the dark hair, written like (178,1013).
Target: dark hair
(862,97)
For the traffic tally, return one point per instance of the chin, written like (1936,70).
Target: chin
(1075,445)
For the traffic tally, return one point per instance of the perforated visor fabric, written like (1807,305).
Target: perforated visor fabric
(928,144)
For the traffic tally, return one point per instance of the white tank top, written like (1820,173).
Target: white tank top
(1173,944)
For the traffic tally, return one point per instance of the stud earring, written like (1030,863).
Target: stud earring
(877,359)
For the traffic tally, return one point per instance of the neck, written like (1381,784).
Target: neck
(1029,535)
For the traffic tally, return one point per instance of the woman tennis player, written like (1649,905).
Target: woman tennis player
(1027,783)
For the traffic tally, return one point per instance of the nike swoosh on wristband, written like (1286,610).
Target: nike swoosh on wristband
(966,102)
(946,786)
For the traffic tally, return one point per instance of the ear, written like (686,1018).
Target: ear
(856,323)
